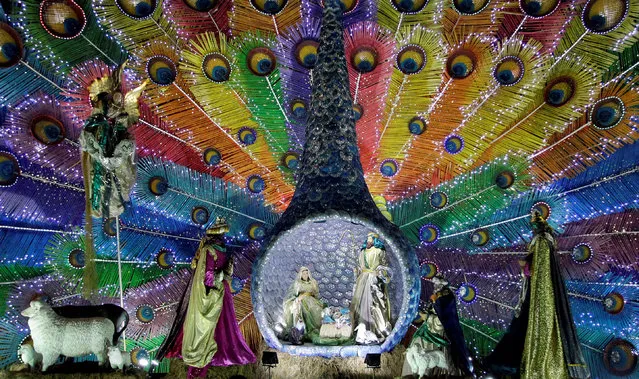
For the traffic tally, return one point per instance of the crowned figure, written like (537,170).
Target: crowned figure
(542,343)
(108,158)
(205,332)
(370,305)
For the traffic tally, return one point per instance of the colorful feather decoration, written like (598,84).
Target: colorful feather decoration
(604,128)
(264,15)
(604,26)
(467,73)
(258,80)
(464,199)
(66,33)
(396,15)
(518,76)
(370,51)
(21,72)
(137,22)
(39,129)
(297,55)
(209,68)
(178,191)
(417,76)
(193,17)
(355,11)
(570,87)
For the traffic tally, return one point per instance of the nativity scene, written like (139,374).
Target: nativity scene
(319,189)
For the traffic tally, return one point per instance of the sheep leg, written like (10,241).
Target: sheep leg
(48,359)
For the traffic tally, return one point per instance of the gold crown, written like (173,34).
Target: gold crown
(373,234)
(219,227)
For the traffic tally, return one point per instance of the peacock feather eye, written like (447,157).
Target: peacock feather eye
(461,64)
(364,59)
(559,91)
(603,16)
(358,112)
(256,231)
(247,136)
(47,130)
(211,156)
(470,7)
(158,186)
(255,184)
(429,234)
(417,125)
(480,237)
(9,169)
(269,7)
(216,67)
(62,19)
(428,270)
(509,71)
(261,61)
(137,9)
(538,8)
(165,259)
(543,208)
(76,258)
(161,70)
(505,179)
(438,199)
(200,215)
(620,357)
(201,5)
(388,168)
(582,253)
(290,160)
(411,59)
(409,6)
(453,144)
(145,314)
(306,53)
(607,113)
(11,48)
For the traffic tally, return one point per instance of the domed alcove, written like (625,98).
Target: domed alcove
(330,216)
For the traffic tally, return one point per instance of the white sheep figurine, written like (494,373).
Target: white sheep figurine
(118,359)
(72,337)
(364,336)
(421,360)
(29,356)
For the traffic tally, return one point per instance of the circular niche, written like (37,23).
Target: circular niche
(329,247)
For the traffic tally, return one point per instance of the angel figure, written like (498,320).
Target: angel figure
(108,149)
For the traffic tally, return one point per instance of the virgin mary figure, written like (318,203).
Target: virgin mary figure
(205,332)
(370,305)
(302,304)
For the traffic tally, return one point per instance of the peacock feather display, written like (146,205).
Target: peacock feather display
(469,114)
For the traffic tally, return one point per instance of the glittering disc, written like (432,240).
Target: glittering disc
(76,258)
(261,61)
(614,303)
(247,135)
(438,199)
(480,237)
(200,215)
(467,293)
(411,59)
(429,234)
(428,270)
(47,130)
(620,357)
(165,259)
(137,9)
(299,109)
(145,314)
(62,18)
(9,169)
(417,126)
(509,71)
